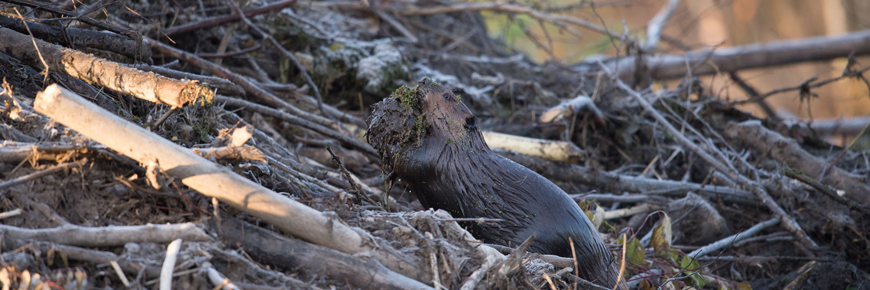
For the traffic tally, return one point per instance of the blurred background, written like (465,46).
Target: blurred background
(713,23)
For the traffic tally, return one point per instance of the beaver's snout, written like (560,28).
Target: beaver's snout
(471,122)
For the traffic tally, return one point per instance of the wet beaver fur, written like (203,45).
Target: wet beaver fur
(430,139)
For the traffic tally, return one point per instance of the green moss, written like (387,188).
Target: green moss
(406,96)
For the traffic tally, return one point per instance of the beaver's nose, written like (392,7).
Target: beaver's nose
(470,122)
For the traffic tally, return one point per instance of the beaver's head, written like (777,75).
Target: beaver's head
(445,113)
(415,114)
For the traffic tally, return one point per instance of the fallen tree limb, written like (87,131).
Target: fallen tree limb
(101,72)
(787,151)
(83,18)
(109,236)
(612,182)
(16,152)
(288,254)
(848,126)
(107,41)
(728,59)
(212,180)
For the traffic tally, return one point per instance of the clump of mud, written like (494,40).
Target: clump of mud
(397,123)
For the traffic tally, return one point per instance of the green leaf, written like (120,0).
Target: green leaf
(634,252)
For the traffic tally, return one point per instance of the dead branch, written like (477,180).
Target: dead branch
(96,71)
(14,152)
(787,151)
(210,179)
(711,61)
(218,20)
(112,42)
(109,236)
(757,189)
(271,249)
(607,181)
(849,126)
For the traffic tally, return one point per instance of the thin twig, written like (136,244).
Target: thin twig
(35,46)
(352,182)
(23,179)
(803,86)
(753,94)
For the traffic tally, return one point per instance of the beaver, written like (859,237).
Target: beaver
(430,139)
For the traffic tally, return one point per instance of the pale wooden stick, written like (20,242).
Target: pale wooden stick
(169,264)
(108,236)
(120,273)
(562,151)
(10,213)
(218,279)
(210,179)
(624,212)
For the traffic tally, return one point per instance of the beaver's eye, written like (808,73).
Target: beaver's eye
(446,96)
